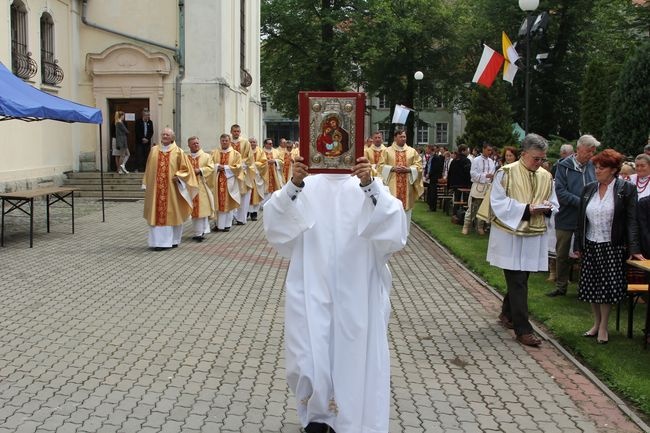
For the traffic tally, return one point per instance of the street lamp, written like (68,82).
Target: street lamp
(527,6)
(418,77)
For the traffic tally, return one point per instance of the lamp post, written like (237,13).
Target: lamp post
(418,77)
(527,6)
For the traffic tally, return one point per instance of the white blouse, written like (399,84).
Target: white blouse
(600,214)
(642,187)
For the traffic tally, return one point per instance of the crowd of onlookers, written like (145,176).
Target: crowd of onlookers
(602,219)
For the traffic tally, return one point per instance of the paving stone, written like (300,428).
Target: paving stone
(170,349)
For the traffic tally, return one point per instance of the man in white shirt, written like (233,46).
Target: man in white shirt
(482,172)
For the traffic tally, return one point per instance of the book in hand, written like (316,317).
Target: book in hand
(541,206)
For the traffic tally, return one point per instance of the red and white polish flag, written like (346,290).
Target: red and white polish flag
(488,67)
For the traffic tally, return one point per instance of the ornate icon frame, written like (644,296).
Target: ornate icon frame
(327,148)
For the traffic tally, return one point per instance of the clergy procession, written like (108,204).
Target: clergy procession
(230,185)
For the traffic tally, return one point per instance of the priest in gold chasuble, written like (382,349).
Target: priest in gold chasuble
(228,174)
(274,163)
(261,169)
(243,146)
(203,203)
(401,170)
(170,187)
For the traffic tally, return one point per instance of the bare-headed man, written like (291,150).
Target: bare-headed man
(170,186)
(203,207)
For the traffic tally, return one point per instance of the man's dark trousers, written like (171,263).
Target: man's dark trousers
(515,301)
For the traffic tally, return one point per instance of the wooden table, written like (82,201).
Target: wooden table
(20,199)
(644,265)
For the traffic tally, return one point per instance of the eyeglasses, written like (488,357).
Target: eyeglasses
(539,158)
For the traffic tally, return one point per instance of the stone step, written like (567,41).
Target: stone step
(111,194)
(107,181)
(96,175)
(107,187)
(123,186)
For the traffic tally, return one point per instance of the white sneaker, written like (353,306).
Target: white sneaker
(124,169)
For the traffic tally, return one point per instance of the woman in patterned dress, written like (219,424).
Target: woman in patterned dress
(607,233)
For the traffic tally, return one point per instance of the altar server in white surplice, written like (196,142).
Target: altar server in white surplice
(522,201)
(338,231)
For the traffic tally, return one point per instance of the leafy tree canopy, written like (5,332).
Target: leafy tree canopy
(628,120)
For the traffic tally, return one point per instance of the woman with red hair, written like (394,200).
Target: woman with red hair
(607,234)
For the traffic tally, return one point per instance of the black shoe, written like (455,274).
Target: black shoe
(175,246)
(227,229)
(316,427)
(556,292)
(239,223)
(253,216)
(215,229)
(198,238)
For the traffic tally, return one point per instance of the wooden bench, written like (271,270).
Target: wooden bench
(460,199)
(20,199)
(634,293)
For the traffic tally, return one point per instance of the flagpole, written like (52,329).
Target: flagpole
(528,6)
(418,77)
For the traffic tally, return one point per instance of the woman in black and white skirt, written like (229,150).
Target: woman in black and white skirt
(607,233)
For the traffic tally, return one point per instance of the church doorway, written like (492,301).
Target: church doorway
(132,108)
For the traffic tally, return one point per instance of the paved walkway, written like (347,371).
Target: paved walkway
(99,334)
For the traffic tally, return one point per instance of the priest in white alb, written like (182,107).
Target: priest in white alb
(522,200)
(338,230)
(170,186)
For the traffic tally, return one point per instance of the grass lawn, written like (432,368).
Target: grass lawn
(622,364)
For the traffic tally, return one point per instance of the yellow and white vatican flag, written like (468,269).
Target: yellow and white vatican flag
(511,56)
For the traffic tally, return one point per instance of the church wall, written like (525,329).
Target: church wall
(39,152)
(212,97)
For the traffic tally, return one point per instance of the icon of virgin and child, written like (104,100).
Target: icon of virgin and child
(333,140)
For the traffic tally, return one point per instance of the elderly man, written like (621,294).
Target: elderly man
(401,170)
(170,187)
(566,150)
(228,168)
(337,294)
(571,176)
(522,199)
(203,203)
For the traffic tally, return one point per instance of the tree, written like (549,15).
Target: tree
(302,49)
(392,39)
(374,45)
(595,96)
(489,117)
(628,120)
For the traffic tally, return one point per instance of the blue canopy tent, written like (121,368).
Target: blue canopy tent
(20,101)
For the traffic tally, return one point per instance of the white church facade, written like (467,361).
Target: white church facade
(193,64)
